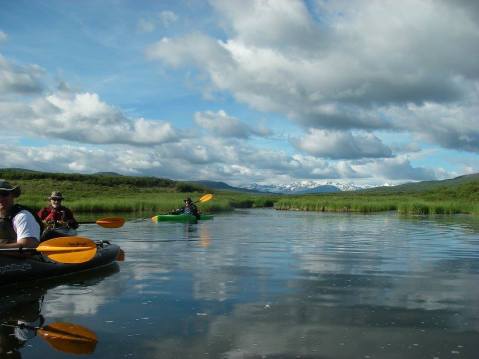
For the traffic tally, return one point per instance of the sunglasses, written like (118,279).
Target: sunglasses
(4,194)
(56,199)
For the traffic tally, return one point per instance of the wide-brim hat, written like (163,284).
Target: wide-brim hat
(7,187)
(56,195)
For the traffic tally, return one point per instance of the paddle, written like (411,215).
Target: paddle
(62,249)
(107,222)
(66,337)
(205,198)
(69,338)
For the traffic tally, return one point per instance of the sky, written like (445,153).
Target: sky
(246,91)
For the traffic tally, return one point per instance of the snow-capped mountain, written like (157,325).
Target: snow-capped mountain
(307,187)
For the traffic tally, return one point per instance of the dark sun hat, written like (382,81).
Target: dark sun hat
(7,187)
(56,195)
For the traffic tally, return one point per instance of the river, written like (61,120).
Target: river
(262,283)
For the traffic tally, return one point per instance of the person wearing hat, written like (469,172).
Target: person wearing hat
(19,226)
(57,215)
(188,208)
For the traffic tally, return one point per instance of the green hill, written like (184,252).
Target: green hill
(456,195)
(110,192)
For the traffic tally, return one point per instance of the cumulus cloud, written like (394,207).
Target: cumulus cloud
(19,79)
(214,159)
(3,36)
(341,70)
(83,118)
(341,145)
(398,168)
(221,124)
(454,126)
(345,71)
(193,48)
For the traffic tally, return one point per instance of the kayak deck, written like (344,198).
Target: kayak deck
(20,269)
(187,218)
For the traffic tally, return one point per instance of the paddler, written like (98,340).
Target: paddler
(56,214)
(188,208)
(19,228)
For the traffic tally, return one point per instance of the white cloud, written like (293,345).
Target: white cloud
(451,126)
(398,168)
(83,118)
(346,70)
(206,158)
(194,48)
(221,124)
(341,145)
(19,79)
(3,36)
(341,70)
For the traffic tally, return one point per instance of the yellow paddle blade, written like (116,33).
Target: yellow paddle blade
(68,249)
(111,222)
(206,198)
(69,338)
(154,219)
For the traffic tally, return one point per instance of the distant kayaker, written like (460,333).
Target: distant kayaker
(19,227)
(188,208)
(57,215)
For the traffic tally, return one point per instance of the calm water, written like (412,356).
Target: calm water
(270,284)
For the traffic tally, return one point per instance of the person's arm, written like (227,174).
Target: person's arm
(27,229)
(27,242)
(42,213)
(70,219)
(47,215)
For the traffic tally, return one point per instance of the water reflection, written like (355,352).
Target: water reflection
(286,285)
(264,283)
(24,317)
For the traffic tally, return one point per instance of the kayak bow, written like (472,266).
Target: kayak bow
(185,218)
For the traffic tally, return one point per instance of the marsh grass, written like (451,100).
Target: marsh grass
(368,204)
(150,196)
(85,195)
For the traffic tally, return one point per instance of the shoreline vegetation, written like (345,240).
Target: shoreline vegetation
(111,193)
(454,196)
(104,193)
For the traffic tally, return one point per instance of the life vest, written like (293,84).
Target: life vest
(53,214)
(7,233)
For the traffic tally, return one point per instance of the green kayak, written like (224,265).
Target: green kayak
(186,218)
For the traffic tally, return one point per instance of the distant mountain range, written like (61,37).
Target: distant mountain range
(223,186)
(300,187)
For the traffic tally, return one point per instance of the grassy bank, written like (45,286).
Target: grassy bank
(460,195)
(115,194)
(368,204)
(150,195)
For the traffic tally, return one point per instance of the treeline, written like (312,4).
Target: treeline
(101,180)
(111,192)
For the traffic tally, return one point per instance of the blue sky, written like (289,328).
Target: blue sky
(269,92)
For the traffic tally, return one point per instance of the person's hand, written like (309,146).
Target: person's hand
(70,223)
